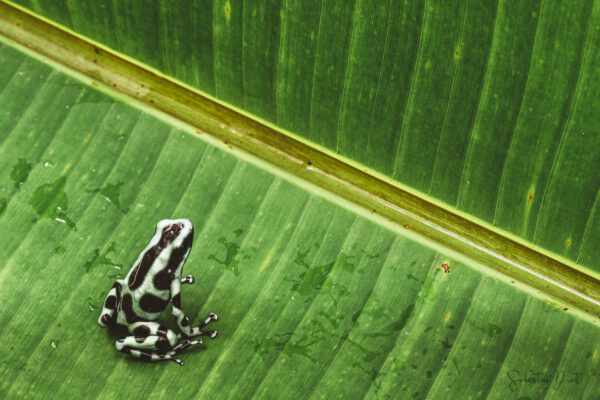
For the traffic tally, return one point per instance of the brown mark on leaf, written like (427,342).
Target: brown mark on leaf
(227,11)
(446,268)
(456,53)
(568,242)
(529,198)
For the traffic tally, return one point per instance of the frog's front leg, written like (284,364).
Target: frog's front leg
(108,317)
(183,322)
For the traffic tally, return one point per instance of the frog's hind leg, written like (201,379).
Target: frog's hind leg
(152,342)
(147,335)
(109,309)
(188,331)
(183,322)
(185,344)
(154,355)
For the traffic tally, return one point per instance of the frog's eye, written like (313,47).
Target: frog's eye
(170,233)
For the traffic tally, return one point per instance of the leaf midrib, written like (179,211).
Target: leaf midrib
(556,278)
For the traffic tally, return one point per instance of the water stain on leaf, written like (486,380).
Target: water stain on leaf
(488,329)
(232,248)
(335,290)
(20,172)
(347,262)
(312,278)
(446,344)
(111,192)
(396,325)
(51,201)
(60,250)
(101,259)
(282,343)
(3,204)
(92,304)
(367,355)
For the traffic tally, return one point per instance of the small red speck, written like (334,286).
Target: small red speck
(452,264)
(405,226)
(446,268)
(568,242)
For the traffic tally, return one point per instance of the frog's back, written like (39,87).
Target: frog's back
(146,288)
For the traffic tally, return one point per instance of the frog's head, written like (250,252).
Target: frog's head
(176,236)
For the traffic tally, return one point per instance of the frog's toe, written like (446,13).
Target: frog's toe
(213,334)
(188,279)
(213,316)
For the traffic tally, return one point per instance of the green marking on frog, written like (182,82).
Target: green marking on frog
(137,301)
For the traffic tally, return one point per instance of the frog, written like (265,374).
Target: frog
(137,301)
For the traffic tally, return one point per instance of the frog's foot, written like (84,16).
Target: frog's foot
(185,344)
(177,360)
(188,279)
(212,334)
(197,330)
(211,317)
